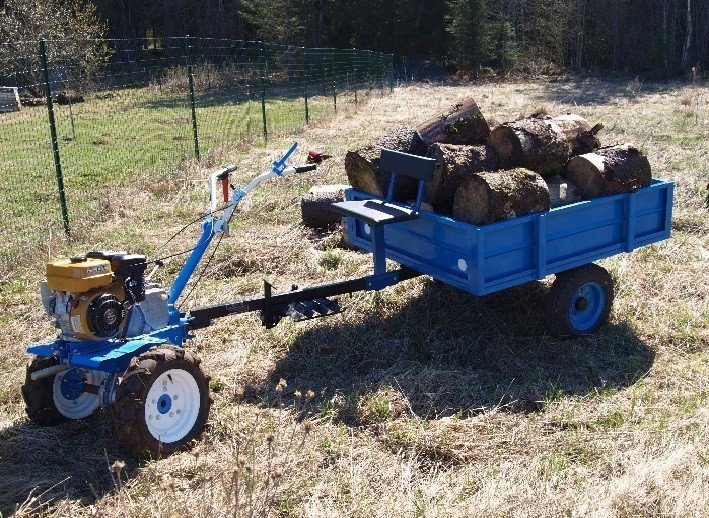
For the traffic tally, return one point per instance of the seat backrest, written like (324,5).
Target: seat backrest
(404,164)
(413,166)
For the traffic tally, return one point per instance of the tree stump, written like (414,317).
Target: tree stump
(316,206)
(496,196)
(609,171)
(579,133)
(463,123)
(537,144)
(454,164)
(364,173)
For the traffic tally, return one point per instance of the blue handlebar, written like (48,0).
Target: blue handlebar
(280,164)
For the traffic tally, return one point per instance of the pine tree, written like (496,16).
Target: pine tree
(467,22)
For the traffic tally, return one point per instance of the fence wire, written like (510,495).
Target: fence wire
(126,109)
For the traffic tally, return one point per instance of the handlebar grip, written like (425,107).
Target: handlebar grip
(305,168)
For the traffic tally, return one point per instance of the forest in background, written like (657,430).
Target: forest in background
(653,38)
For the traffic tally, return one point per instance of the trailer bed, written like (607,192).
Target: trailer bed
(486,259)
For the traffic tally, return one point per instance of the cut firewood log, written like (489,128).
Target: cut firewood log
(66,97)
(454,164)
(463,123)
(537,144)
(316,206)
(562,191)
(609,171)
(364,173)
(496,196)
(579,133)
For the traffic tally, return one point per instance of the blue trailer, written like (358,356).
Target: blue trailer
(122,336)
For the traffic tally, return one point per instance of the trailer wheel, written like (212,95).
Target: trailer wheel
(162,402)
(579,301)
(39,394)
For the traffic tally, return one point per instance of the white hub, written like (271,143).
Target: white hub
(85,403)
(172,406)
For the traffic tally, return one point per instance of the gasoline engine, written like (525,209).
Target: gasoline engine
(103,295)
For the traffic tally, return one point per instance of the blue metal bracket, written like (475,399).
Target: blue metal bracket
(110,355)
(280,164)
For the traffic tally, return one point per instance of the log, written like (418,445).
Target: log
(364,173)
(454,164)
(316,206)
(463,123)
(496,196)
(579,133)
(609,171)
(66,97)
(537,144)
(562,191)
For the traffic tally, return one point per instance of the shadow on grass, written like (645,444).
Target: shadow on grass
(450,353)
(71,461)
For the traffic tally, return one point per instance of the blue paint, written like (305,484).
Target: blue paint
(72,384)
(587,305)
(511,252)
(112,355)
(280,164)
(164,404)
(178,285)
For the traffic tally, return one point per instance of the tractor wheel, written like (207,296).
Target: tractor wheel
(161,402)
(54,399)
(39,394)
(579,301)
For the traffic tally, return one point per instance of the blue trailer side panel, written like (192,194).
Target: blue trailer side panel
(492,257)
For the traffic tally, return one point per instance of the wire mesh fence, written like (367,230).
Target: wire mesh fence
(96,113)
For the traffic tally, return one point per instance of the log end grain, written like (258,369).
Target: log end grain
(488,197)
(316,206)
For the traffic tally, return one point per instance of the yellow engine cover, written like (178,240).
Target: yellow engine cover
(79,313)
(80,276)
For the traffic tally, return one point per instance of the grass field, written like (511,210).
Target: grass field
(418,400)
(117,138)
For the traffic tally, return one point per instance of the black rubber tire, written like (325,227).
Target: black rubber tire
(131,394)
(38,395)
(566,284)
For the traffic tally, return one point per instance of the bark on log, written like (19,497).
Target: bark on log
(461,124)
(535,143)
(453,165)
(364,173)
(315,206)
(69,98)
(496,196)
(562,191)
(609,171)
(579,133)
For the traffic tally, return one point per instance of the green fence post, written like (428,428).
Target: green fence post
(334,96)
(262,64)
(381,71)
(391,73)
(369,69)
(190,77)
(53,134)
(305,83)
(354,74)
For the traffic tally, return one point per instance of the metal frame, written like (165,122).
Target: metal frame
(482,260)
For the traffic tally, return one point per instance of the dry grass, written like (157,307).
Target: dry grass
(425,401)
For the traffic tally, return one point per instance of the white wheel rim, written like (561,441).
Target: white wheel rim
(172,406)
(84,405)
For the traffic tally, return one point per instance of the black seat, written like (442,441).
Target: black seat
(375,212)
(383,212)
